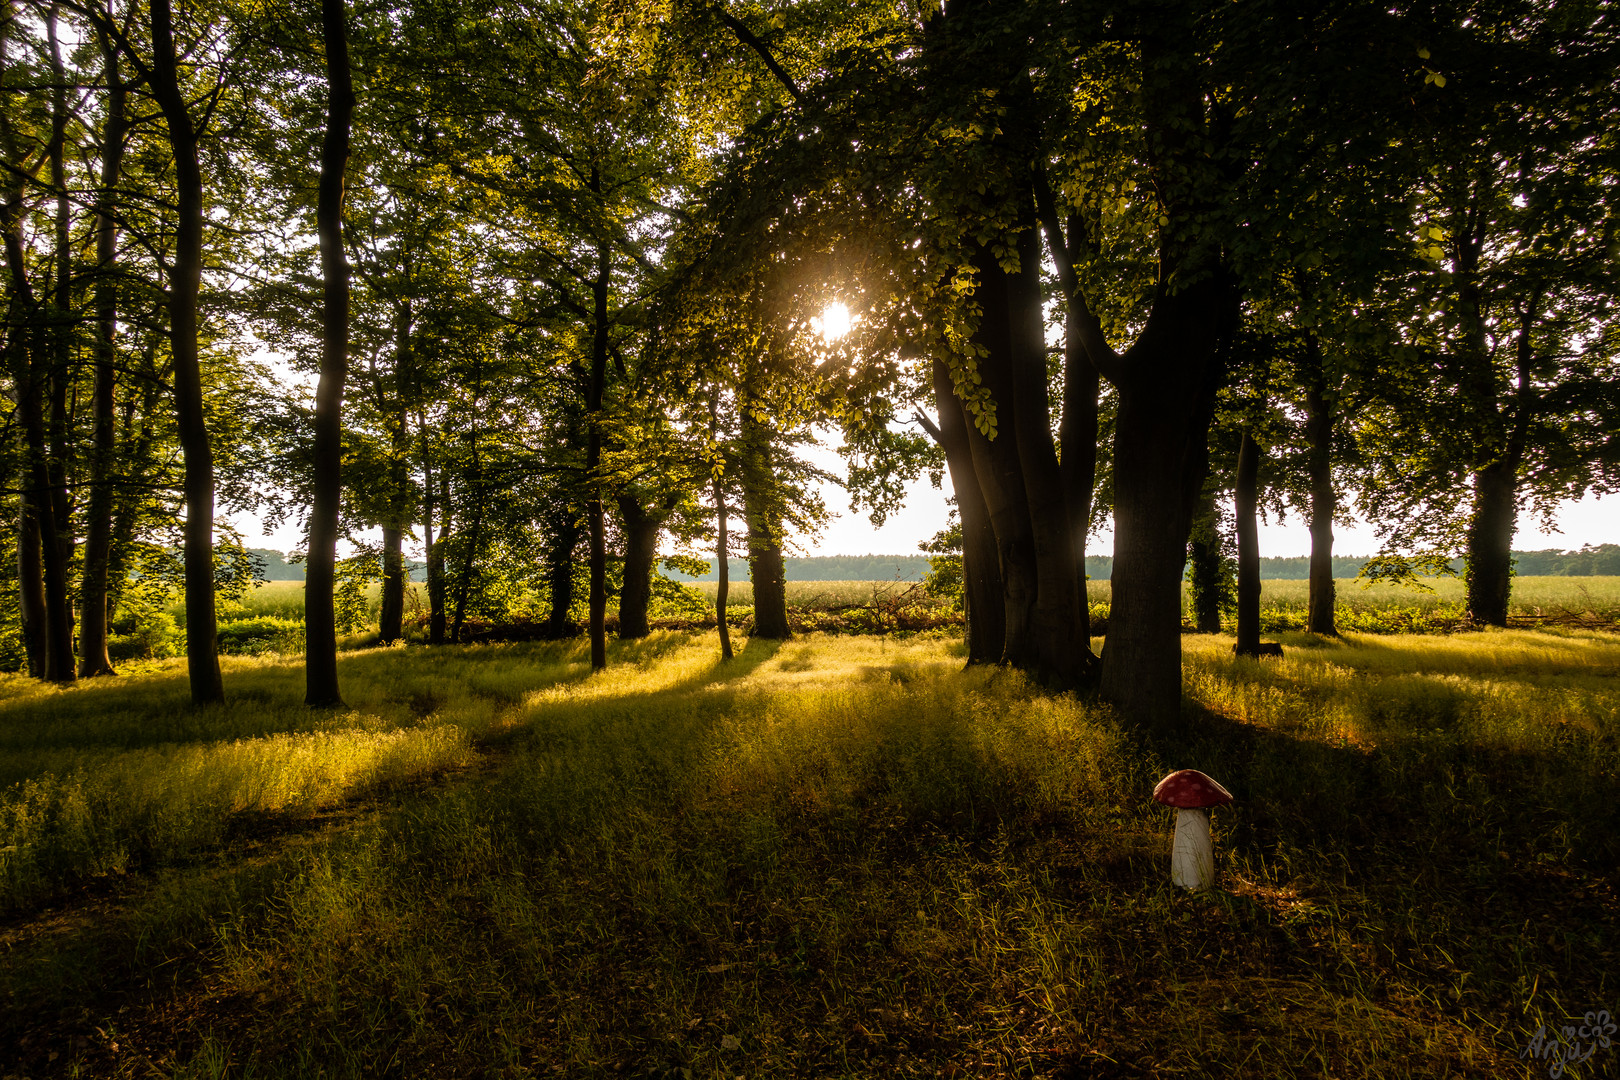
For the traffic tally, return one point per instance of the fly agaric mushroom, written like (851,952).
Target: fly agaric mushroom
(1192,858)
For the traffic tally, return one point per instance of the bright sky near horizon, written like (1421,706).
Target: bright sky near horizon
(1588,521)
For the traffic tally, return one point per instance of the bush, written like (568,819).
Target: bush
(250,637)
(143,634)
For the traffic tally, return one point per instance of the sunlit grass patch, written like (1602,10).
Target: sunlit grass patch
(842,856)
(112,773)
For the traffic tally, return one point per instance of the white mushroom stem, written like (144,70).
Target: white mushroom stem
(1192,859)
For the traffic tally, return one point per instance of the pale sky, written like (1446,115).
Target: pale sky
(1588,521)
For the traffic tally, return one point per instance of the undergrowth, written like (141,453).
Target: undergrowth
(849,857)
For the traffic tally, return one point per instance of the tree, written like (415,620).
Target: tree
(319,616)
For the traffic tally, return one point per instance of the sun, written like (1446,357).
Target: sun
(833,323)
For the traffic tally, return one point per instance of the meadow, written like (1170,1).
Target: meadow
(835,856)
(270,618)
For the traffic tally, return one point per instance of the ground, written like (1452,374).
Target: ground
(835,856)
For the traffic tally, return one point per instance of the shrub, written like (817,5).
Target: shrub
(250,637)
(143,634)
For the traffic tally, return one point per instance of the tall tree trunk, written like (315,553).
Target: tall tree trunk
(320,618)
(1324,500)
(1206,550)
(981,569)
(185,281)
(436,584)
(31,585)
(722,588)
(464,581)
(1078,428)
(1167,382)
(93,608)
(1060,630)
(763,508)
(997,465)
(1246,498)
(560,576)
(594,513)
(391,610)
(1489,577)
(63,325)
(641,528)
(45,610)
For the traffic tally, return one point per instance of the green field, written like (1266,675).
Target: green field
(838,856)
(1530,594)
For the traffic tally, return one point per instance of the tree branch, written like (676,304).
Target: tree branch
(747,37)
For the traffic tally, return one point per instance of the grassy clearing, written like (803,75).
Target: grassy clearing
(848,857)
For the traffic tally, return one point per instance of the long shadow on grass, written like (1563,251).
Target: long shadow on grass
(1446,856)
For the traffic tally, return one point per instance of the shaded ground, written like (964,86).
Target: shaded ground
(848,858)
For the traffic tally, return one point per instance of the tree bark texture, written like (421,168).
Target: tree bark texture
(641,528)
(93,608)
(391,611)
(1167,383)
(1246,498)
(762,507)
(1320,618)
(320,619)
(981,569)
(1489,576)
(185,280)
(560,575)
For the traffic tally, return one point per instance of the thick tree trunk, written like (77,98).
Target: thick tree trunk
(1489,576)
(981,570)
(1166,389)
(1324,500)
(594,513)
(1077,438)
(641,528)
(1246,498)
(1000,473)
(762,506)
(391,612)
(185,280)
(560,576)
(320,618)
(1060,632)
(93,608)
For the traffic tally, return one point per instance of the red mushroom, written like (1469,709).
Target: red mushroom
(1192,857)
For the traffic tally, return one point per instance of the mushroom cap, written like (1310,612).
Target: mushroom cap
(1189,789)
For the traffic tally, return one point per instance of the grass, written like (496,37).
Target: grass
(834,857)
